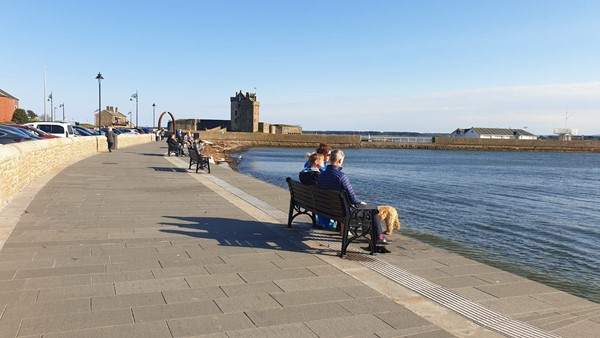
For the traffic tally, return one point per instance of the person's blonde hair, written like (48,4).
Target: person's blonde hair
(314,157)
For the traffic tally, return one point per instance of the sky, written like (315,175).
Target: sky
(400,65)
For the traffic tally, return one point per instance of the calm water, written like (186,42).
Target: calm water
(534,214)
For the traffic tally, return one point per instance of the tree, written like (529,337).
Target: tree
(20,116)
(31,115)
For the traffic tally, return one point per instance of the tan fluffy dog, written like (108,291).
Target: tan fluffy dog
(389,215)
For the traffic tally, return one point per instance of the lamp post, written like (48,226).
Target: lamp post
(51,105)
(62,105)
(129,122)
(153,117)
(99,78)
(135,96)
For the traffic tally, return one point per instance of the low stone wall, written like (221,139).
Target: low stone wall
(515,145)
(279,140)
(21,163)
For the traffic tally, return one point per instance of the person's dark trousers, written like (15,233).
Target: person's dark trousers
(110,147)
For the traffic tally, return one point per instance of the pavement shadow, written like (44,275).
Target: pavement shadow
(169,169)
(230,232)
(147,154)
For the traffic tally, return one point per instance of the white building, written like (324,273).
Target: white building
(494,133)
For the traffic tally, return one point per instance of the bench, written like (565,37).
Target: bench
(311,201)
(201,162)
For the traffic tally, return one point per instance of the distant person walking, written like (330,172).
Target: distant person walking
(110,138)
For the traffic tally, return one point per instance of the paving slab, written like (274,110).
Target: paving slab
(173,311)
(74,321)
(157,329)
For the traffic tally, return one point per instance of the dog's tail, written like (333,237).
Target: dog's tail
(397,224)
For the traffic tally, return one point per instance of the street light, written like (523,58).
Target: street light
(62,105)
(153,119)
(135,96)
(51,105)
(99,78)
(129,122)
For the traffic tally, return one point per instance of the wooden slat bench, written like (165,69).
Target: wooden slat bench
(201,162)
(311,201)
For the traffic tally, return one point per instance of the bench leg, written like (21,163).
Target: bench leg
(344,241)
(289,224)
(374,238)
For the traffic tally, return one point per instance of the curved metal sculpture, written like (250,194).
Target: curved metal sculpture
(172,118)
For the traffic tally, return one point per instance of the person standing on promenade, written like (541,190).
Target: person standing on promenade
(334,178)
(110,138)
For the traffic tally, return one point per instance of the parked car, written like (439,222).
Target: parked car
(129,131)
(60,129)
(21,131)
(10,135)
(34,131)
(81,131)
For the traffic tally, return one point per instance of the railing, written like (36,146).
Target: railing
(399,139)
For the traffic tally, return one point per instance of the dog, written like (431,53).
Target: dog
(389,215)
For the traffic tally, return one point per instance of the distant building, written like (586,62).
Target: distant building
(494,133)
(111,117)
(244,118)
(244,112)
(8,104)
(214,124)
(284,129)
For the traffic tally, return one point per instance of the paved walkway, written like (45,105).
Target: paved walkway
(132,244)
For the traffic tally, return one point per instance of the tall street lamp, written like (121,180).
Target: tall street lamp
(153,117)
(99,78)
(51,105)
(135,96)
(62,105)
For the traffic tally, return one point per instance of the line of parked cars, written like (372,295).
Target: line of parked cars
(14,133)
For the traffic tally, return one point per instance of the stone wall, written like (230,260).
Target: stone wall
(516,145)
(22,163)
(282,140)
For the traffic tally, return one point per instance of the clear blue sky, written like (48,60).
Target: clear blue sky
(426,66)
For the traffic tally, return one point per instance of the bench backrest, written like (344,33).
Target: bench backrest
(194,154)
(332,204)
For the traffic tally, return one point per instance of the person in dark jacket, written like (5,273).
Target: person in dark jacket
(310,175)
(173,145)
(110,138)
(334,178)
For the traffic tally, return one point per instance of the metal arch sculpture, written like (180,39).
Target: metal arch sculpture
(172,119)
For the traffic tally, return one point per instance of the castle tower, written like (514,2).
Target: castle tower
(244,112)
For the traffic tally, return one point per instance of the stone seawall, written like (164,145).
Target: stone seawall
(21,163)
(282,140)
(516,145)
(439,143)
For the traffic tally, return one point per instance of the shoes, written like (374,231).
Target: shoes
(384,241)
(382,249)
(378,249)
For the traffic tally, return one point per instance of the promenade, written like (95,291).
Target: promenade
(132,244)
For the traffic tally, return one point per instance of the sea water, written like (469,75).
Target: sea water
(536,214)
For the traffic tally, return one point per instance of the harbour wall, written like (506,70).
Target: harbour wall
(21,163)
(438,143)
